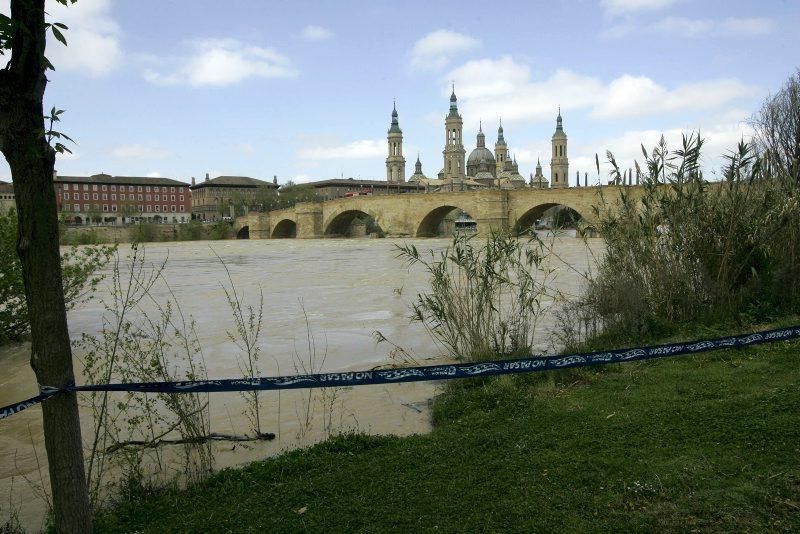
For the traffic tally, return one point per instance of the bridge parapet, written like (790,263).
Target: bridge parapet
(420,214)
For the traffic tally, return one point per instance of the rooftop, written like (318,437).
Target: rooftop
(233,181)
(128,180)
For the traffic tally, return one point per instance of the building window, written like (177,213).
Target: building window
(181,198)
(104,188)
(140,189)
(113,187)
(66,196)
(85,187)
(147,189)
(130,188)
(140,197)
(173,209)
(86,207)
(164,189)
(182,191)
(113,196)
(165,209)
(66,187)
(77,207)
(158,198)
(67,207)
(172,189)
(113,207)
(86,196)
(105,196)
(172,197)
(156,207)
(94,196)
(147,197)
(141,208)
(150,208)
(183,207)
(105,207)
(76,196)
(94,187)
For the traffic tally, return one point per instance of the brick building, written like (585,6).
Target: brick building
(215,198)
(122,199)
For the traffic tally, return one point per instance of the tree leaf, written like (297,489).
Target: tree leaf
(58,35)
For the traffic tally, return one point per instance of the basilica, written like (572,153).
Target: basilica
(482,169)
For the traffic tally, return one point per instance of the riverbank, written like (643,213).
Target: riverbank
(707,442)
(145,233)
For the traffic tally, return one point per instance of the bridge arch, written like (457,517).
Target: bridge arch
(556,215)
(433,223)
(285,229)
(243,233)
(346,224)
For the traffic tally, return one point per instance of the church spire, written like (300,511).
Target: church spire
(453,103)
(481,136)
(501,141)
(559,125)
(395,126)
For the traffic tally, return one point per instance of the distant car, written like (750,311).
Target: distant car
(227,219)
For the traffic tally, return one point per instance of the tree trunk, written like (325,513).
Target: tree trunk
(32,160)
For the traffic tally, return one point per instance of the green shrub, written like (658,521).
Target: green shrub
(221,230)
(485,297)
(79,273)
(191,231)
(691,251)
(144,232)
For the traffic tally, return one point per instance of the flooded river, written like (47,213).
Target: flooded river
(347,289)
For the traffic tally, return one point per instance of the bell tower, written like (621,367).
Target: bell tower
(559,164)
(500,150)
(454,152)
(395,162)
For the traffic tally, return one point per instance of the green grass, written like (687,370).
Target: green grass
(710,442)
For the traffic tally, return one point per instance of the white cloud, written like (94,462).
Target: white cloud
(621,7)
(435,50)
(220,62)
(316,33)
(364,149)
(93,37)
(632,96)
(245,148)
(505,88)
(685,27)
(154,174)
(139,152)
(301,179)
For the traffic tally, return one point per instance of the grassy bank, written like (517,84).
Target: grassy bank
(708,442)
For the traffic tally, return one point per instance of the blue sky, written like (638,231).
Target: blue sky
(303,90)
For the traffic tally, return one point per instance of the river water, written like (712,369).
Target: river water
(343,289)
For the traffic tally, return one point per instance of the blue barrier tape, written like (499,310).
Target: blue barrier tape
(428,372)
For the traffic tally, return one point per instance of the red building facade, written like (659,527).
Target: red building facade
(122,199)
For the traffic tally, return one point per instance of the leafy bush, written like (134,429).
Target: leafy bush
(191,231)
(687,250)
(79,267)
(485,297)
(221,230)
(144,232)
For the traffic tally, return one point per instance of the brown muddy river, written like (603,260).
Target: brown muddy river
(347,289)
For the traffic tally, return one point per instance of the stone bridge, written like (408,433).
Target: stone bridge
(420,215)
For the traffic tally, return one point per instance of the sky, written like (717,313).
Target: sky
(304,90)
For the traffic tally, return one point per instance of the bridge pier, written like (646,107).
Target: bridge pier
(309,220)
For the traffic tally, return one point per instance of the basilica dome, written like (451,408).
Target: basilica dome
(479,154)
